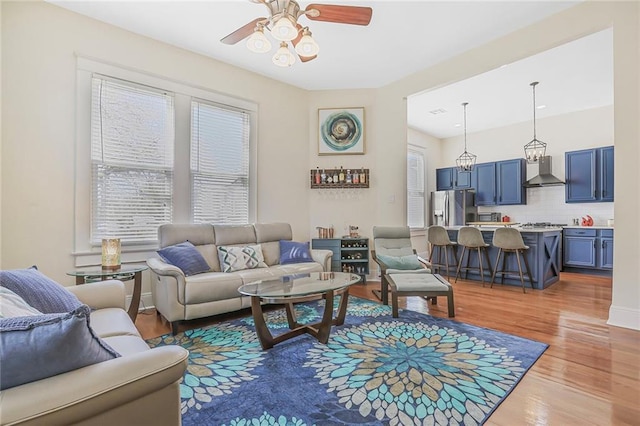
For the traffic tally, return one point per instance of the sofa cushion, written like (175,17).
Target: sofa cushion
(273,232)
(294,252)
(239,258)
(210,254)
(227,235)
(296,268)
(400,262)
(211,286)
(186,257)
(107,322)
(40,346)
(39,291)
(12,305)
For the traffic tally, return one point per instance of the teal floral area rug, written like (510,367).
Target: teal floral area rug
(375,370)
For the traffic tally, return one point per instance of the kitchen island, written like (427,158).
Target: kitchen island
(544,256)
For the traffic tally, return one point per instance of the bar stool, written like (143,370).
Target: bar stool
(438,238)
(471,238)
(509,240)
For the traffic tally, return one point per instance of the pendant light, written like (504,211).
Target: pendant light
(466,161)
(535,150)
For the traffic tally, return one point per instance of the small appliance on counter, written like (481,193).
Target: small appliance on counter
(490,217)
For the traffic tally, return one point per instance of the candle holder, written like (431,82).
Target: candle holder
(111,254)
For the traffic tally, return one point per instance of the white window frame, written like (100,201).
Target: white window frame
(418,151)
(84,252)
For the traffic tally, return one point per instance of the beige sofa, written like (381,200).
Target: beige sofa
(139,388)
(178,297)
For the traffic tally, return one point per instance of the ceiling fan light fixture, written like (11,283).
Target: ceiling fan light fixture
(307,46)
(284,29)
(283,57)
(258,42)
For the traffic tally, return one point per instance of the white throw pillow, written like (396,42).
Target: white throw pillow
(239,258)
(12,305)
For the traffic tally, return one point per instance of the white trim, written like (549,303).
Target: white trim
(620,316)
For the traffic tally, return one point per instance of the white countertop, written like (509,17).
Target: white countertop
(588,227)
(519,228)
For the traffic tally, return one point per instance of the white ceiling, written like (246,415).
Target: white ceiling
(403,37)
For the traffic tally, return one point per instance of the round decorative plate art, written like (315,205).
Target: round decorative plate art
(341,131)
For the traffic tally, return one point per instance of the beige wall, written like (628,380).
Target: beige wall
(39,47)
(37,159)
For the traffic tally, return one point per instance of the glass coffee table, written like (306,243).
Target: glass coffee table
(297,288)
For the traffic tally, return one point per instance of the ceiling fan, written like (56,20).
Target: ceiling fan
(283,25)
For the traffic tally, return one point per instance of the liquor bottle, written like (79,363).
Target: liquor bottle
(317,176)
(335,176)
(356,177)
(323,177)
(363,177)
(349,181)
(341,175)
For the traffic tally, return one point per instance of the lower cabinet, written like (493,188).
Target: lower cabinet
(588,248)
(349,254)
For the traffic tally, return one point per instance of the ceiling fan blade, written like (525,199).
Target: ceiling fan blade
(356,15)
(242,32)
(295,42)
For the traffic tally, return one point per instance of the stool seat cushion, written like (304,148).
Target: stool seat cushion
(418,282)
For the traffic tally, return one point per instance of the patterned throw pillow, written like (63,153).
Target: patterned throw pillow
(239,258)
(39,291)
(12,305)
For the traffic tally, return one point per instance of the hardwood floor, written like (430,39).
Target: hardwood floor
(589,375)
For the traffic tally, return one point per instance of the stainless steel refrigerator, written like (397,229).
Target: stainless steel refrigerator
(453,208)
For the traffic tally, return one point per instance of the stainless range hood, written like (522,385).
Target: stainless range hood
(544,178)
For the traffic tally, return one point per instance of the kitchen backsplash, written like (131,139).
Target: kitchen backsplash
(546,204)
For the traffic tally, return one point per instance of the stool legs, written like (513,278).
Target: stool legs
(437,266)
(504,272)
(480,263)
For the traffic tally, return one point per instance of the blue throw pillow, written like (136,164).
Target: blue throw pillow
(40,346)
(292,252)
(39,291)
(186,257)
(408,262)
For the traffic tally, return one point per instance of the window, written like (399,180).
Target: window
(415,189)
(152,150)
(219,164)
(132,144)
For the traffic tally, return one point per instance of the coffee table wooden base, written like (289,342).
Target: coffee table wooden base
(319,330)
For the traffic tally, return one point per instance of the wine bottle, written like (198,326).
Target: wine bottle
(341,175)
(317,176)
(323,177)
(349,181)
(356,177)
(363,176)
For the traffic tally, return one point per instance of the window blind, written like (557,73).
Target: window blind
(219,164)
(132,144)
(415,189)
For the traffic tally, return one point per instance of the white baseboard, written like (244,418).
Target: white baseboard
(624,317)
(146,301)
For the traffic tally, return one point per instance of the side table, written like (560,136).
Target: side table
(124,273)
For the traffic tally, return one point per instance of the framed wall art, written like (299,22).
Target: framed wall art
(340,131)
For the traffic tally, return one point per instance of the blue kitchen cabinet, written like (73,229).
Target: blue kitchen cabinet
(484,181)
(580,248)
(450,178)
(605,257)
(511,175)
(588,248)
(589,175)
(606,173)
(500,183)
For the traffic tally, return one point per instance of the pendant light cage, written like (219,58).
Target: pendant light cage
(535,150)
(466,161)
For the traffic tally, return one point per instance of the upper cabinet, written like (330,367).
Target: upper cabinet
(451,178)
(589,175)
(500,183)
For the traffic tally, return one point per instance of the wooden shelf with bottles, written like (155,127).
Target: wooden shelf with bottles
(330,174)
